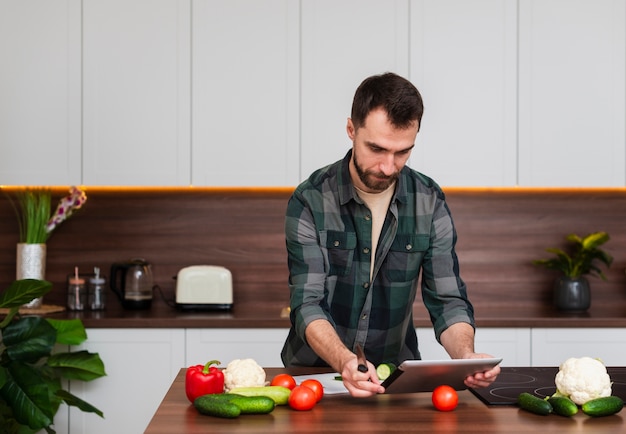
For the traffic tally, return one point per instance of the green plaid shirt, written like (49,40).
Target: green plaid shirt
(328,235)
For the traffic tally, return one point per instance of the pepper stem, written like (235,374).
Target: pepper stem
(205,370)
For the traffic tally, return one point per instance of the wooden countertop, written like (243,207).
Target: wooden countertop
(384,413)
(265,315)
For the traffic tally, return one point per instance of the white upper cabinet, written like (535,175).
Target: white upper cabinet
(257,92)
(571,93)
(343,42)
(40,112)
(463,60)
(245,104)
(136,84)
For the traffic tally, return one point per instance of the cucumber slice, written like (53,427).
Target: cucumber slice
(384,370)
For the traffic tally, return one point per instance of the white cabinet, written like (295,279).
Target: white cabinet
(257,93)
(572,116)
(263,345)
(463,61)
(136,92)
(40,101)
(552,346)
(343,43)
(512,344)
(140,365)
(245,128)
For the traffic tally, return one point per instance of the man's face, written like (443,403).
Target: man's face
(379,151)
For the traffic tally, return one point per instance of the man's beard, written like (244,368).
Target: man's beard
(374,181)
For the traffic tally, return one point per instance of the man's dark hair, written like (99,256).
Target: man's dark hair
(396,95)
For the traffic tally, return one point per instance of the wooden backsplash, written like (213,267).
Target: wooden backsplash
(500,231)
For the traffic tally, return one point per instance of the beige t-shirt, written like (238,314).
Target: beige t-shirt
(378,203)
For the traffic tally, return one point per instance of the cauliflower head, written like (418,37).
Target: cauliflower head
(583,379)
(243,373)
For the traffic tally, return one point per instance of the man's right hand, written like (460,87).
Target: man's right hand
(360,384)
(323,339)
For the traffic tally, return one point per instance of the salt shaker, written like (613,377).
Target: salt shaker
(96,290)
(76,292)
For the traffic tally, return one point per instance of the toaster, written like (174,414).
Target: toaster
(204,287)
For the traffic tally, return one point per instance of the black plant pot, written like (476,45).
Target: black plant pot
(572,294)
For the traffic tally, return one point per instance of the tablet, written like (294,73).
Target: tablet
(425,375)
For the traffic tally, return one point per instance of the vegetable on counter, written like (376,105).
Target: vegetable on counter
(583,379)
(279,394)
(581,382)
(534,404)
(605,406)
(284,380)
(203,379)
(230,406)
(243,373)
(562,405)
(445,398)
(302,398)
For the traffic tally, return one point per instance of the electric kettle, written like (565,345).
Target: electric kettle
(131,281)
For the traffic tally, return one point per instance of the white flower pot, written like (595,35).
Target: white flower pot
(31,264)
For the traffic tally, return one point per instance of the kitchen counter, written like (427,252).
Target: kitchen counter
(266,315)
(383,413)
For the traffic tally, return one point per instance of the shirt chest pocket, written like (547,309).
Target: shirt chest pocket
(338,250)
(405,256)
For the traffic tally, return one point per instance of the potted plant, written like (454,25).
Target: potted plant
(31,373)
(571,290)
(36,224)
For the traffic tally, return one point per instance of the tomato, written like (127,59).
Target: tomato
(316,386)
(445,398)
(302,398)
(284,380)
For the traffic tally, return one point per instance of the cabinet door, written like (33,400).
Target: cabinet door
(552,346)
(245,93)
(140,365)
(463,60)
(262,345)
(40,120)
(512,344)
(136,84)
(572,118)
(342,44)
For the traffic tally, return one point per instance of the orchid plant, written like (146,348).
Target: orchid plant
(33,211)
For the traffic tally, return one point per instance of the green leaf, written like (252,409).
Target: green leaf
(69,331)
(594,240)
(79,365)
(28,395)
(77,402)
(22,291)
(29,339)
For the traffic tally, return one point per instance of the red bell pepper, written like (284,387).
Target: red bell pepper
(203,379)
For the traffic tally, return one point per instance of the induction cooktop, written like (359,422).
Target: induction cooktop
(539,381)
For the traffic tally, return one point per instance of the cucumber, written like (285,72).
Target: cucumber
(279,394)
(214,405)
(230,405)
(563,406)
(384,370)
(534,404)
(603,406)
(254,404)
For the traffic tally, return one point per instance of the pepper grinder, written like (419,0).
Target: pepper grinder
(76,292)
(96,290)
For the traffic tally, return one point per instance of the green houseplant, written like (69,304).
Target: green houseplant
(31,373)
(571,290)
